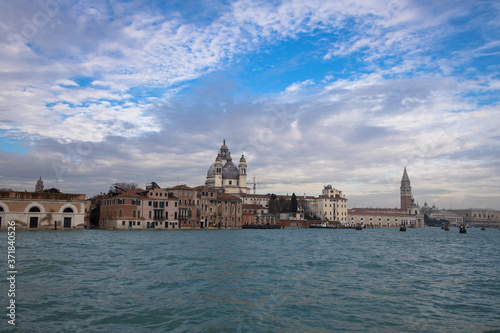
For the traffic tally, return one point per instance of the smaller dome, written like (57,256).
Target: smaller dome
(242,159)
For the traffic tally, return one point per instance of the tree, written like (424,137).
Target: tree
(124,186)
(273,205)
(307,208)
(294,204)
(429,222)
(95,210)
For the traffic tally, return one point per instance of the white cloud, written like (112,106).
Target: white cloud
(66,82)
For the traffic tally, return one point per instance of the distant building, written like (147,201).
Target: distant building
(480,217)
(410,214)
(413,217)
(375,217)
(224,176)
(331,205)
(42,209)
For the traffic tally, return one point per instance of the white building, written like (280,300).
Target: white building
(47,209)
(331,205)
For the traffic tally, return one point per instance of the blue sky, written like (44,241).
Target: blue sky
(338,92)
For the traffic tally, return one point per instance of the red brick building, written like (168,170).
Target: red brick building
(139,209)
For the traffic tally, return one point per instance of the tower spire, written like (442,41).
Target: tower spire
(405,176)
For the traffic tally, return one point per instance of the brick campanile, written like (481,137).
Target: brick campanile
(405,191)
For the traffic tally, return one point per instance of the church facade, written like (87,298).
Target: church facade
(225,176)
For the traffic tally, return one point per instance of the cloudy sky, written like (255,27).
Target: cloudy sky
(312,92)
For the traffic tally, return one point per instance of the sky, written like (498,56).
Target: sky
(342,92)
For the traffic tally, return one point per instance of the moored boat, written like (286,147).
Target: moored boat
(324,225)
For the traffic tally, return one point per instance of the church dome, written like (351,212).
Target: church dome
(211,171)
(230,171)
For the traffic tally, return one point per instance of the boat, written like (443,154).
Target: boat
(446,227)
(359,227)
(483,228)
(324,225)
(462,229)
(402,228)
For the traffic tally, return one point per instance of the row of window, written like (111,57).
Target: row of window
(160,204)
(371,219)
(138,223)
(484,215)
(158,193)
(109,202)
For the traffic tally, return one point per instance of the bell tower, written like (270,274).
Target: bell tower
(405,191)
(218,171)
(243,172)
(39,185)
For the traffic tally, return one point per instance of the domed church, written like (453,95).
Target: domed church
(225,176)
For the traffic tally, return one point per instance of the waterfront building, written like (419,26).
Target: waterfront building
(188,203)
(139,209)
(42,209)
(161,208)
(478,217)
(375,217)
(413,217)
(229,211)
(122,209)
(450,216)
(332,205)
(224,176)
(207,207)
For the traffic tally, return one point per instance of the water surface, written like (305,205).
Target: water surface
(292,280)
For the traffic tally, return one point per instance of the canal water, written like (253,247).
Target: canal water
(291,280)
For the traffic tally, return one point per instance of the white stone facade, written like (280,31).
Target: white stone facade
(42,210)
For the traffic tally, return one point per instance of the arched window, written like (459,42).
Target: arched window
(34,210)
(120,213)
(68,210)
(1,209)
